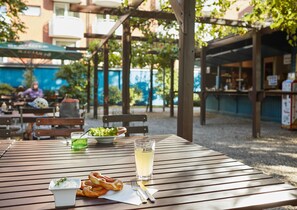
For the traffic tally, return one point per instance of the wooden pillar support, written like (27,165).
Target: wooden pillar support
(256,103)
(89,87)
(186,68)
(172,88)
(126,67)
(95,61)
(203,86)
(106,78)
(151,87)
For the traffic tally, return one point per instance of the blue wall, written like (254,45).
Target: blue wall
(47,81)
(240,105)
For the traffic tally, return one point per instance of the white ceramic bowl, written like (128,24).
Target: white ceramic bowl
(103,139)
(65,193)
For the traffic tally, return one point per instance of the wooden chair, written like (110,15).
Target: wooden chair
(126,120)
(26,110)
(6,128)
(69,125)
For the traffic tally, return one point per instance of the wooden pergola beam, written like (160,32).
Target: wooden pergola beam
(177,15)
(119,37)
(120,21)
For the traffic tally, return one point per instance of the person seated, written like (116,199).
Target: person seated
(33,92)
(38,103)
(69,108)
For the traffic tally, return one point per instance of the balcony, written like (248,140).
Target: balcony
(108,3)
(102,26)
(66,27)
(69,1)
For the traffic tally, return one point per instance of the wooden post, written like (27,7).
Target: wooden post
(106,78)
(256,103)
(95,60)
(151,87)
(164,95)
(186,69)
(126,67)
(89,86)
(203,85)
(172,88)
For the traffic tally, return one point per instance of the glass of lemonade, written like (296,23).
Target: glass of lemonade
(144,150)
(78,142)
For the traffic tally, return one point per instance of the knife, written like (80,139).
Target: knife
(149,195)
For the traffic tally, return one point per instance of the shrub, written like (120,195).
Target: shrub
(115,95)
(6,89)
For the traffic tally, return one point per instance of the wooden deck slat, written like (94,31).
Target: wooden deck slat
(110,157)
(187,176)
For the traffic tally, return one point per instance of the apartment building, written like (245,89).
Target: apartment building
(51,21)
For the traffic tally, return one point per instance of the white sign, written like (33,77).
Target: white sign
(287,59)
(272,80)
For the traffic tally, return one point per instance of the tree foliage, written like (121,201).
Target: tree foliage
(115,52)
(279,14)
(10,22)
(76,76)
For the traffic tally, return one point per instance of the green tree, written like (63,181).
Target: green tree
(29,78)
(280,15)
(10,23)
(76,76)
(115,52)
(135,95)
(115,95)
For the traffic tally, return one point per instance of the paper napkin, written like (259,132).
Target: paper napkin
(126,195)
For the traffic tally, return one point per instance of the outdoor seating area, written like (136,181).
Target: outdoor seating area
(103,105)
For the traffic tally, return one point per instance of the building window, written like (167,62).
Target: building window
(65,43)
(62,9)
(32,11)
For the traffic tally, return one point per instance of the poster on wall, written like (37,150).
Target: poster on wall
(272,80)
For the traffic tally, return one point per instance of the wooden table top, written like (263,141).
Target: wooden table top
(188,176)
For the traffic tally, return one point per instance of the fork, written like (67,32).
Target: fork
(135,187)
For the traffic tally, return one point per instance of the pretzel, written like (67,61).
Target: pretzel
(106,181)
(94,192)
(98,185)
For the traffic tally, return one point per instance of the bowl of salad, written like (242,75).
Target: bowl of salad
(105,135)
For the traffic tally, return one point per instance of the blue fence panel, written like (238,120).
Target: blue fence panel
(11,76)
(47,80)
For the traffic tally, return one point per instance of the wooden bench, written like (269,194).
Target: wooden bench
(126,120)
(60,126)
(43,111)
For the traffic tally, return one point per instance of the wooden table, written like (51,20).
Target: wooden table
(187,176)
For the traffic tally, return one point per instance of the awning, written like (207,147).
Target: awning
(33,49)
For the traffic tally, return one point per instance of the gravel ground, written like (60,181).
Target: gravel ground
(274,153)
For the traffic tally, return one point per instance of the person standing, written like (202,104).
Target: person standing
(33,92)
